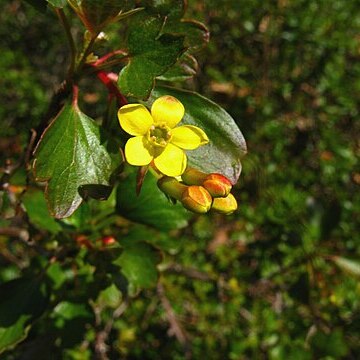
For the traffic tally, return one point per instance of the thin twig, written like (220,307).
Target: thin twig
(102,336)
(106,57)
(20,233)
(64,22)
(175,327)
(189,272)
(106,79)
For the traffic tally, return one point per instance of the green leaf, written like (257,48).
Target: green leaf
(151,207)
(349,266)
(160,240)
(185,68)
(71,153)
(57,3)
(171,11)
(196,33)
(71,320)
(21,302)
(110,297)
(333,344)
(68,310)
(227,145)
(138,263)
(151,54)
(38,213)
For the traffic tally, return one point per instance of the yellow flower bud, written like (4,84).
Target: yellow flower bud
(170,186)
(197,199)
(193,176)
(225,205)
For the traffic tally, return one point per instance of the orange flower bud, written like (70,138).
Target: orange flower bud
(197,199)
(225,205)
(217,185)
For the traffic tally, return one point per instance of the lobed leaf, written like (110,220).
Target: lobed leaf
(196,33)
(185,68)
(71,153)
(151,53)
(138,263)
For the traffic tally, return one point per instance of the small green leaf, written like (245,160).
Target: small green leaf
(151,207)
(333,344)
(160,240)
(349,266)
(21,301)
(110,297)
(151,54)
(68,310)
(227,145)
(38,213)
(57,3)
(138,263)
(71,153)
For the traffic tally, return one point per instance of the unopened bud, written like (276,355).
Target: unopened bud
(217,185)
(197,199)
(193,176)
(108,240)
(83,241)
(225,205)
(170,186)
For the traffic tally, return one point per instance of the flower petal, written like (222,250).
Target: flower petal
(188,137)
(138,152)
(135,119)
(167,109)
(172,161)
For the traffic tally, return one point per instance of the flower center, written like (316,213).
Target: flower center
(159,135)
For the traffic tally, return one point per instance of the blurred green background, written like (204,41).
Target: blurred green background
(278,279)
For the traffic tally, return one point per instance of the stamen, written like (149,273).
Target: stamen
(159,134)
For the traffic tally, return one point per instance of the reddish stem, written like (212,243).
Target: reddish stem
(111,86)
(108,56)
(75,96)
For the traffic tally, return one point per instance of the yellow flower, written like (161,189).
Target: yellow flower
(155,136)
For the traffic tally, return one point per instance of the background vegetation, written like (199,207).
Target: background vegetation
(278,279)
